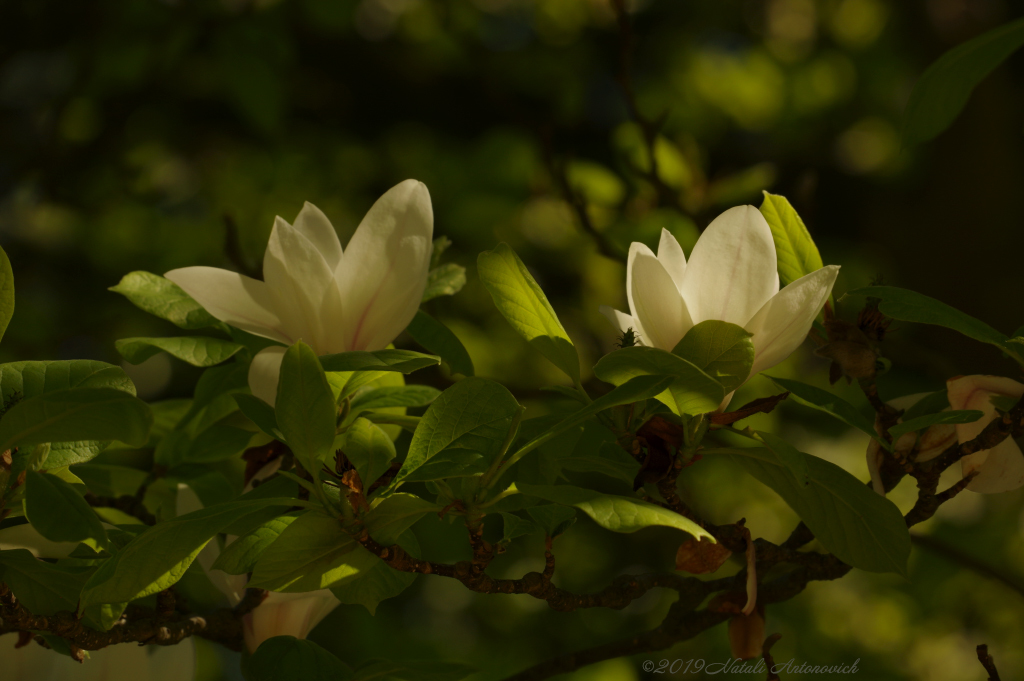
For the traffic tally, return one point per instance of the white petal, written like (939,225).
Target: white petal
(781,325)
(287,614)
(384,270)
(671,255)
(656,302)
(25,536)
(298,279)
(265,372)
(635,249)
(314,225)
(620,320)
(1001,468)
(242,302)
(733,270)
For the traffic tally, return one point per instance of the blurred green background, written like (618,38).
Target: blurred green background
(129,129)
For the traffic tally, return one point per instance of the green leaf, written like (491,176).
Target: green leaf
(165,299)
(444,280)
(522,302)
(615,513)
(369,449)
(286,658)
(825,401)
(555,520)
(794,247)
(76,414)
(395,396)
(21,380)
(862,528)
(691,392)
(59,512)
(214,384)
(260,413)
(404,361)
(514,526)
(413,670)
(6,292)
(438,338)
(391,516)
(943,417)
(159,556)
(931,403)
(312,553)
(380,581)
(910,306)
(944,88)
(240,556)
(790,457)
(216,443)
(44,589)
(306,411)
(198,351)
(722,350)
(461,433)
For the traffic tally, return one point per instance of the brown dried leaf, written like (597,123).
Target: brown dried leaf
(701,557)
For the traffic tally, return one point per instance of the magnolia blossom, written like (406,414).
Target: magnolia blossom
(280,614)
(732,276)
(113,663)
(334,300)
(934,440)
(1001,468)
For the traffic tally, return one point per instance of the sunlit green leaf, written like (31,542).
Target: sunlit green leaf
(722,350)
(797,255)
(165,299)
(438,338)
(198,351)
(6,292)
(306,412)
(404,361)
(691,391)
(240,556)
(369,449)
(444,280)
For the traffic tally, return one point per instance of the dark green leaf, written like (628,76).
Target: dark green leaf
(404,361)
(691,392)
(216,443)
(931,403)
(413,670)
(615,513)
(922,422)
(722,350)
(444,280)
(860,527)
(797,255)
(44,589)
(213,384)
(552,518)
(395,396)
(306,411)
(260,413)
(944,88)
(369,449)
(59,512)
(286,658)
(514,526)
(6,292)
(165,299)
(391,516)
(825,401)
(380,581)
(461,433)
(788,455)
(438,338)
(76,414)
(198,351)
(522,302)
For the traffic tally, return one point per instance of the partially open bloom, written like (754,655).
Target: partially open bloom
(335,300)
(32,662)
(731,276)
(280,614)
(1001,468)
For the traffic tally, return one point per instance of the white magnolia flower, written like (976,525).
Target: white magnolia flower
(280,614)
(334,300)
(114,663)
(1001,468)
(733,276)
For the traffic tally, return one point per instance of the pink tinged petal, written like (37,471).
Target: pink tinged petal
(656,303)
(298,278)
(1001,468)
(291,614)
(265,372)
(384,270)
(733,269)
(671,255)
(314,225)
(782,323)
(243,302)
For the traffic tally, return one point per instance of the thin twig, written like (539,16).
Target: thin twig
(987,662)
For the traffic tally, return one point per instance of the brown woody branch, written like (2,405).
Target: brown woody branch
(987,662)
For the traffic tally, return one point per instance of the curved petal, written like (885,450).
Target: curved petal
(265,372)
(314,225)
(732,270)
(1000,468)
(287,614)
(620,320)
(656,302)
(781,325)
(671,255)
(298,278)
(384,270)
(242,302)
(27,537)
